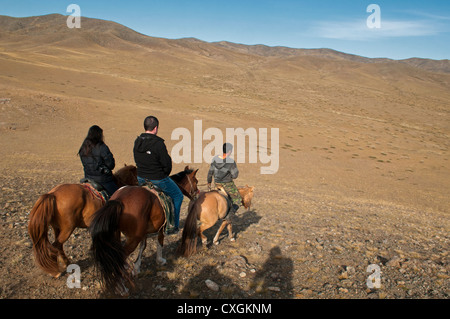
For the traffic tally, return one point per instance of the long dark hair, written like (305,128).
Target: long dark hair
(94,137)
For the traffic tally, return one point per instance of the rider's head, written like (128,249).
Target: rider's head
(227,148)
(94,136)
(150,123)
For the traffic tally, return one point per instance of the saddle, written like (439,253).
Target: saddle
(166,203)
(227,197)
(96,190)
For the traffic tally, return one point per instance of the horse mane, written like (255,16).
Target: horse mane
(178,177)
(127,175)
(244,190)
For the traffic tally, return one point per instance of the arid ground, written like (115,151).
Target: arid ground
(363,150)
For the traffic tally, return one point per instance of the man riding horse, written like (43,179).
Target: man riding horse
(154,165)
(224,170)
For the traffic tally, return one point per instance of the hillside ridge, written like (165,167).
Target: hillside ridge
(52,29)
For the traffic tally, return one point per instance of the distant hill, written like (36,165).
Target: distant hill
(52,30)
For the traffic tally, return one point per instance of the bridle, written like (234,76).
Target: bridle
(193,193)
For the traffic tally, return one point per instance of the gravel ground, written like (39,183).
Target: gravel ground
(312,247)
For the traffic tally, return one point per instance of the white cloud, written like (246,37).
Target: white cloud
(358,29)
(427,15)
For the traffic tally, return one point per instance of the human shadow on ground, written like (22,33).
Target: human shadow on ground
(273,280)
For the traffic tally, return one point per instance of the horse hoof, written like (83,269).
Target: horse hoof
(232,239)
(56,276)
(161,261)
(216,242)
(123,291)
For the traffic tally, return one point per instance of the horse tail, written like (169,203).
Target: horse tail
(46,255)
(108,252)
(188,244)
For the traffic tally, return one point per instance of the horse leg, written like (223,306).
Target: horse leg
(138,261)
(130,245)
(159,243)
(216,238)
(230,231)
(200,231)
(61,237)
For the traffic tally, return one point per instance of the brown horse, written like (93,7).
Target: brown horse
(65,208)
(134,212)
(208,208)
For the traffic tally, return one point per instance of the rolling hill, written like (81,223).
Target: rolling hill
(105,63)
(363,150)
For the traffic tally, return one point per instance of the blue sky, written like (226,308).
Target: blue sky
(407,28)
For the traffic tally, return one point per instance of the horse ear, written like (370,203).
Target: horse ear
(186,168)
(195,173)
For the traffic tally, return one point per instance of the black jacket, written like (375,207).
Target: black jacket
(99,164)
(152,159)
(224,171)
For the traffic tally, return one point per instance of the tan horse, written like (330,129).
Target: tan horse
(208,208)
(247,195)
(64,208)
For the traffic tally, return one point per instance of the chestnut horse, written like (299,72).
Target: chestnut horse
(65,208)
(134,212)
(208,208)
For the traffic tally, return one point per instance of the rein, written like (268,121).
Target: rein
(192,194)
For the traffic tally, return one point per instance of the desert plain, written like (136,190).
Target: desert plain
(363,177)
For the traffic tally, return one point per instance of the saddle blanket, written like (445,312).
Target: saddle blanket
(167,205)
(96,194)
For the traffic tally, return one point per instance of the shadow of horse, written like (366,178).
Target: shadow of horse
(241,222)
(151,272)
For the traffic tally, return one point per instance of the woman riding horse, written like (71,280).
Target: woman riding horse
(98,161)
